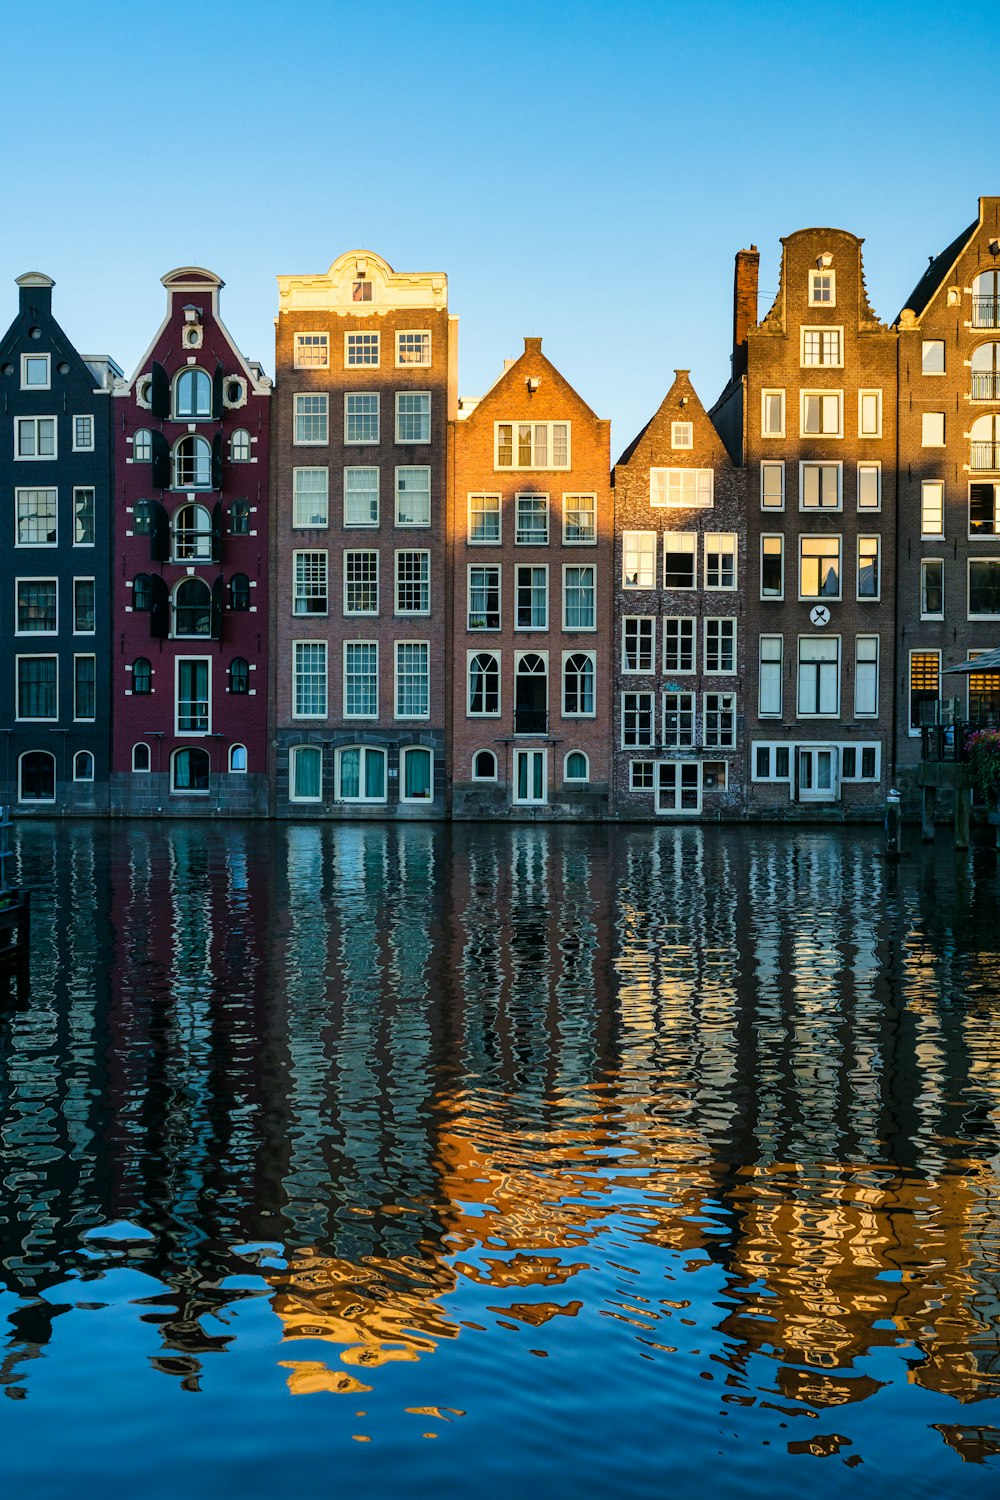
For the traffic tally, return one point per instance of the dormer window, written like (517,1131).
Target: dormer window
(361,291)
(192,395)
(822,287)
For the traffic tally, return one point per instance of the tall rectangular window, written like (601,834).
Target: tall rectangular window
(579,520)
(772,486)
(866,677)
(83,517)
(638,643)
(720,560)
(311,418)
(361,583)
(819,676)
(984,588)
(769,677)
(932,357)
(932,588)
(310,497)
(413,495)
(361,417)
(679,558)
(531,588)
(719,715)
(413,680)
(309,679)
(532,520)
(484,684)
(484,597)
(639,559)
(925,687)
(869,486)
(83,434)
(870,414)
(84,606)
(984,511)
(37,687)
(361,349)
(679,650)
(85,687)
(361,496)
(720,646)
(413,417)
(311,351)
(193,707)
(580,597)
(932,508)
(484,519)
(772,567)
(36,518)
(772,413)
(310,588)
(37,612)
(932,429)
(678,720)
(637,719)
(819,567)
(869,568)
(819,486)
(413,583)
(360,679)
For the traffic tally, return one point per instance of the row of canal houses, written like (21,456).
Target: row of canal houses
(349,591)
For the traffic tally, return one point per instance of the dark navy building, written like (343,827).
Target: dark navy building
(55,564)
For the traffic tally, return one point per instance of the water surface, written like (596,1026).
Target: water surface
(572,1161)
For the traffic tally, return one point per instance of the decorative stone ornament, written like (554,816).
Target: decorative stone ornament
(819,614)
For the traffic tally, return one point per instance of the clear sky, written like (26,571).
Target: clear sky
(581,171)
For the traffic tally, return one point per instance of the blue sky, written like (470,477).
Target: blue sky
(584,172)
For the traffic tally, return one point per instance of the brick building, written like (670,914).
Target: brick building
(680,620)
(366,383)
(190,640)
(532,529)
(948,600)
(55,617)
(812,410)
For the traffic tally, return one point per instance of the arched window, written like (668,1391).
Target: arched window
(192,608)
(986,373)
(578,684)
(239,592)
(305,774)
(239,518)
(576,767)
(142,593)
(142,446)
(192,528)
(239,446)
(237,757)
(531,693)
(985,436)
(36,776)
(83,766)
(140,757)
(192,394)
(193,464)
(361,774)
(484,683)
(142,516)
(239,675)
(986,300)
(417,778)
(190,769)
(142,676)
(484,766)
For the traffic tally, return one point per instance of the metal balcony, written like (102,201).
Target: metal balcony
(985,385)
(986,312)
(531,721)
(985,457)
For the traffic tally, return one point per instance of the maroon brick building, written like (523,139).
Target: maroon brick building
(532,528)
(190,633)
(680,617)
(366,362)
(949,483)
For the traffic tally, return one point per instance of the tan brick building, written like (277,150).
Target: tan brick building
(812,408)
(366,382)
(532,545)
(949,482)
(680,619)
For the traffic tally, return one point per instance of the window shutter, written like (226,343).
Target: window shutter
(159,615)
(217,600)
(217,461)
(161,462)
(217,406)
(159,393)
(217,532)
(159,532)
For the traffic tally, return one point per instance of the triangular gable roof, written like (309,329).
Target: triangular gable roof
(533,349)
(666,412)
(937,272)
(195,279)
(66,347)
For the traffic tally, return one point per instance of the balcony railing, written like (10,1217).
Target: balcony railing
(192,473)
(985,457)
(192,715)
(986,312)
(949,741)
(985,385)
(531,721)
(192,543)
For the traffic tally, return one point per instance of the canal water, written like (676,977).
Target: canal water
(573,1161)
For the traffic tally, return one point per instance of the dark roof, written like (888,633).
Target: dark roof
(633,445)
(936,271)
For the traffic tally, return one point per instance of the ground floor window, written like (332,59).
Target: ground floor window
(305,773)
(36,779)
(190,770)
(417,774)
(484,766)
(140,757)
(361,774)
(238,757)
(83,766)
(531,776)
(678,786)
(576,767)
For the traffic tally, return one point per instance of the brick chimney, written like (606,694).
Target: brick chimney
(744,305)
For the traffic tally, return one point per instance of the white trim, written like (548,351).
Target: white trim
(721,621)
(324,413)
(410,614)
(406,396)
(588,629)
(765,393)
(805,636)
(396,677)
(369,442)
(293,751)
(365,334)
(83,416)
(76,757)
(480,541)
(36,458)
(628,671)
(576,780)
(137,770)
(48,801)
(772,463)
(862,395)
(692,636)
(821,463)
(532,567)
(368,525)
(721,537)
(404,753)
(823,395)
(325,712)
(520,495)
(529,753)
(969,564)
(913,731)
(310,333)
(939,614)
(513,423)
(412,525)
(237,770)
(192,733)
(41,357)
(32,635)
(363,753)
(77,490)
(369,552)
(414,364)
(821,328)
(814,274)
(79,718)
(470,655)
(564,711)
(569,541)
(368,718)
(474,776)
(676,789)
(868,536)
(823,536)
(771,536)
(875,466)
(84,578)
(483,629)
(20,656)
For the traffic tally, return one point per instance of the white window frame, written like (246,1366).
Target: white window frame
(83,416)
(532,567)
(720,621)
(578,714)
(913,731)
(579,541)
(868,536)
(408,396)
(297,346)
(27,489)
(821,328)
(649,709)
(688,537)
(772,746)
(576,780)
(643,546)
(772,466)
(939,614)
(91,718)
(483,629)
(310,614)
(673,770)
(470,656)
(404,754)
(36,457)
(823,536)
(80,489)
(635,781)
(859,712)
(682,434)
(863,396)
(368,552)
(870,466)
(37,801)
(293,751)
(832,713)
(925,346)
(484,541)
(321,415)
(368,718)
(770,662)
(190,733)
(638,621)
(362,364)
(147,768)
(298,525)
(859,747)
(474,774)
(368,442)
(84,578)
(34,635)
(580,567)
(245,767)
(514,423)
(414,364)
(970,563)
(529,752)
(815,276)
(771,536)
(823,395)
(680,704)
(363,753)
(404,469)
(815,463)
(926,487)
(531,495)
(691,633)
(422,552)
(370,524)
(668,489)
(765,394)
(932,442)
(40,358)
(728,704)
(76,758)
(396,713)
(324,712)
(720,536)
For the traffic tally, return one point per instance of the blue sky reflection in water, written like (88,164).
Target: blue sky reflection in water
(571,1161)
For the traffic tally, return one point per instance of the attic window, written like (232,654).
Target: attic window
(361,291)
(823,288)
(682,434)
